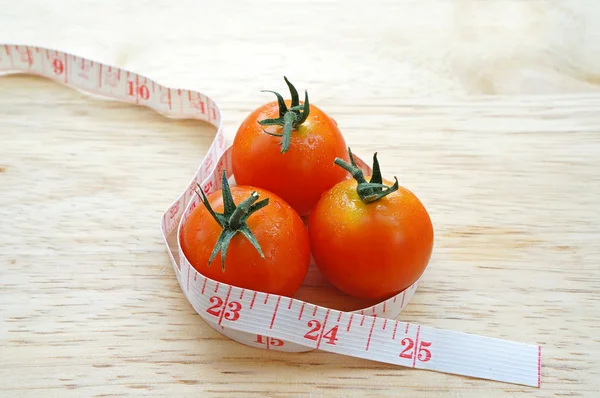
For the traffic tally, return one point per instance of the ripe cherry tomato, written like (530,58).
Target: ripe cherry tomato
(288,148)
(369,239)
(260,245)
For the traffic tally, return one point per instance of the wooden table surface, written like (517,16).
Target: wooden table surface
(512,185)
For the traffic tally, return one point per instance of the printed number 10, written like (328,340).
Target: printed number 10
(142,90)
(423,355)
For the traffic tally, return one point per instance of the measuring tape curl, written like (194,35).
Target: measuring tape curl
(265,320)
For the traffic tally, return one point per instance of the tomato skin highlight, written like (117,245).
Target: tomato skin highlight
(279,230)
(370,251)
(302,174)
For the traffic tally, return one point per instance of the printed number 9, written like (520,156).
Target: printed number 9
(58,66)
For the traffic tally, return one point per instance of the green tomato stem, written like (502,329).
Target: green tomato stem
(233,219)
(368,191)
(290,118)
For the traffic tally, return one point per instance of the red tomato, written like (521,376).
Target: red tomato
(255,245)
(369,239)
(288,148)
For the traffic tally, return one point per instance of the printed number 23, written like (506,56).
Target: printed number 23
(233,314)
(424,354)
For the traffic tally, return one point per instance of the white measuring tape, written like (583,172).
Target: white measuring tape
(270,321)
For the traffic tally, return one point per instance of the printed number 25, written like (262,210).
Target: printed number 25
(424,354)
(233,314)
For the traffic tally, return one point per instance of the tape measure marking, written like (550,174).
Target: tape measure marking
(263,320)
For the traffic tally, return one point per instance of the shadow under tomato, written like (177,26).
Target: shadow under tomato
(317,290)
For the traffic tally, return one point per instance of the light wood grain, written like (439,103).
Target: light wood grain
(511,185)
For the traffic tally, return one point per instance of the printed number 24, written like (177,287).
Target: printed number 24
(233,314)
(313,333)
(424,354)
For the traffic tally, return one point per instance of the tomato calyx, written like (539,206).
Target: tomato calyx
(288,118)
(233,219)
(368,191)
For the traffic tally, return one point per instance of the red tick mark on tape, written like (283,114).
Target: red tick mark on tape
(370,334)
(323,329)
(252,302)
(395,327)
(406,330)
(349,322)
(275,312)
(203,286)
(217,287)
(225,305)
(539,366)
(416,345)
(339,316)
(242,294)
(384,323)
(188,280)
(362,320)
(290,304)
(315,311)
(266,298)
(301,311)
